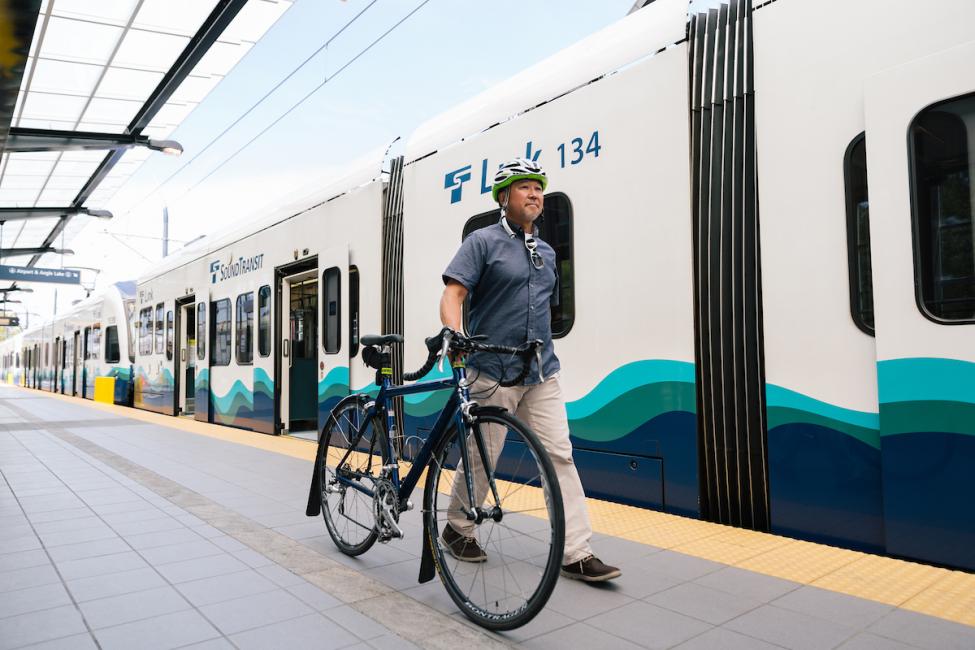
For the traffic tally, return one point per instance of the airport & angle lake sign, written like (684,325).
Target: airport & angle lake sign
(37,274)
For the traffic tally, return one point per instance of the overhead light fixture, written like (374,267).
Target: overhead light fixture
(168,147)
(13,214)
(25,140)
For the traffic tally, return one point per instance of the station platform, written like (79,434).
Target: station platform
(126,529)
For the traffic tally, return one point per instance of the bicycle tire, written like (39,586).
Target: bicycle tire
(524,549)
(346,510)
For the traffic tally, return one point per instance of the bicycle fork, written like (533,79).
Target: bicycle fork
(467,433)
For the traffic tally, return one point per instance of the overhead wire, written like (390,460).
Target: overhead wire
(302,100)
(230,126)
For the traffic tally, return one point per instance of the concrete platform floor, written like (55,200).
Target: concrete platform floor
(123,529)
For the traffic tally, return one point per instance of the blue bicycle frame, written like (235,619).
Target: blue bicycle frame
(453,410)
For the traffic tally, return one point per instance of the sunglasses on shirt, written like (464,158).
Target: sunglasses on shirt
(537,261)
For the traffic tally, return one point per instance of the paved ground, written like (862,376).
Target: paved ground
(116,533)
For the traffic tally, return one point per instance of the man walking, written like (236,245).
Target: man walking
(511,278)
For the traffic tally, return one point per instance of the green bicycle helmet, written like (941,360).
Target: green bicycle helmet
(516,170)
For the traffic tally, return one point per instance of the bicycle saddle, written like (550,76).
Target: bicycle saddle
(376,339)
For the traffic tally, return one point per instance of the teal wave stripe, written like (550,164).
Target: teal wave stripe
(929,415)
(263,382)
(119,373)
(784,399)
(228,406)
(335,384)
(632,375)
(633,408)
(429,403)
(920,379)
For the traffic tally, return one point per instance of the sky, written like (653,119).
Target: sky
(444,52)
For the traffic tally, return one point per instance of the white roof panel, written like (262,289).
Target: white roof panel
(125,83)
(64,77)
(174,16)
(115,12)
(149,50)
(48,106)
(77,40)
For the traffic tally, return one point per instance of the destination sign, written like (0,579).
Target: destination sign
(37,274)
(9,321)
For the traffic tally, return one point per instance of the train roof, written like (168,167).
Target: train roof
(125,289)
(360,172)
(636,36)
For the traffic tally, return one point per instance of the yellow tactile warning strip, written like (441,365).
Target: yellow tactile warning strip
(934,591)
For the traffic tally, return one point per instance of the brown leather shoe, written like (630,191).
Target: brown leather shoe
(465,549)
(590,569)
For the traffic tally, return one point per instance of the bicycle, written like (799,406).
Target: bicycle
(514,506)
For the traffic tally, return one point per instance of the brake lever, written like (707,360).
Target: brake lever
(443,349)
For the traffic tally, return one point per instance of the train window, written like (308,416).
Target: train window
(18,359)
(858,234)
(47,354)
(332,310)
(201,330)
(159,329)
(145,331)
(554,228)
(169,335)
(112,354)
(264,320)
(353,310)
(944,227)
(94,342)
(245,328)
(222,339)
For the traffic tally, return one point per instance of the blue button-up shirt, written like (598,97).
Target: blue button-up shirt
(509,298)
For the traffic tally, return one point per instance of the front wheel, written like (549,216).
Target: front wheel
(521,528)
(354,451)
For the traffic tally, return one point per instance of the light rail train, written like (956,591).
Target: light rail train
(747,336)
(66,355)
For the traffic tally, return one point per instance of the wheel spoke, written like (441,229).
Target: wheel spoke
(348,511)
(523,549)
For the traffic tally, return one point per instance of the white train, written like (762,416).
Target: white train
(746,335)
(67,354)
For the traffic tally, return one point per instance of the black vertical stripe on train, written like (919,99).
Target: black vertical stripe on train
(728,327)
(728,293)
(706,236)
(719,379)
(696,49)
(741,391)
(709,495)
(392,286)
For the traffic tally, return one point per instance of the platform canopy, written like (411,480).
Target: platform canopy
(89,90)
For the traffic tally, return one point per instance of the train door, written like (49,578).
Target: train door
(296,360)
(85,353)
(201,379)
(920,137)
(75,362)
(333,374)
(57,365)
(185,370)
(62,373)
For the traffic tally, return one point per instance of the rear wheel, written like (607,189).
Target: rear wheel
(351,462)
(521,528)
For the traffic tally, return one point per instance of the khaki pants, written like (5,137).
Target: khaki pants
(542,408)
